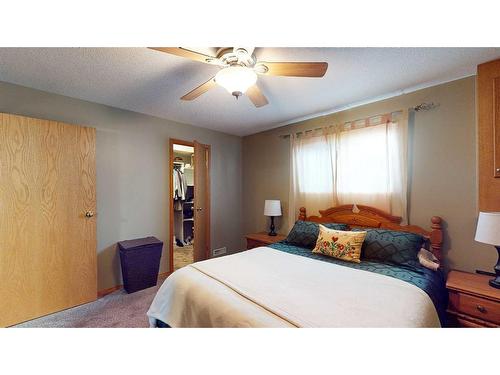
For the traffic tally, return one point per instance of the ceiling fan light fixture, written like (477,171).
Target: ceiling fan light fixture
(236,79)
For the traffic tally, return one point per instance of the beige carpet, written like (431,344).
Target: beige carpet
(117,309)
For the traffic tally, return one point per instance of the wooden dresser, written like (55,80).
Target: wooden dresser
(262,239)
(472,301)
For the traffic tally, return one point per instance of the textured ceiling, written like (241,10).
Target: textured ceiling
(152,82)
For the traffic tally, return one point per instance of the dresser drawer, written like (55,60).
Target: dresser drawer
(474,306)
(469,324)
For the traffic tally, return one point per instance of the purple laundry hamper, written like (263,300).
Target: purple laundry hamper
(140,261)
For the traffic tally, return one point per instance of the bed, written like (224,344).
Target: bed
(285,285)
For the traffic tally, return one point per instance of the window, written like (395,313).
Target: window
(314,158)
(365,165)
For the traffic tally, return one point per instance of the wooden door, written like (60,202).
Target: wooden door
(47,243)
(488,96)
(201,201)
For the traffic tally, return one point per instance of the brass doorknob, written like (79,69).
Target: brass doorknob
(89,214)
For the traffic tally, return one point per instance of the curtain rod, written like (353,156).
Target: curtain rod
(366,119)
(425,107)
(419,107)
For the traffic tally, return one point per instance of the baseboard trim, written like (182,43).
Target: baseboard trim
(105,292)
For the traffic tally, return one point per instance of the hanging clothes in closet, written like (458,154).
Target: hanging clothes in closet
(179,187)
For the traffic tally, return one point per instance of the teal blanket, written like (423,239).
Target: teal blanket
(431,282)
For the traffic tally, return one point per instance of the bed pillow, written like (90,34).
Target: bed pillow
(305,233)
(390,246)
(340,244)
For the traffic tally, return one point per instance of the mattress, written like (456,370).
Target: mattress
(279,287)
(431,282)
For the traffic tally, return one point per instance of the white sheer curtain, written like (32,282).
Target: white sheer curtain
(313,173)
(362,166)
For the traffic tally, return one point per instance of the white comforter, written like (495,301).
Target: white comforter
(264,287)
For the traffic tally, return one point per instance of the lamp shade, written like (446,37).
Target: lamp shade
(236,79)
(488,228)
(272,207)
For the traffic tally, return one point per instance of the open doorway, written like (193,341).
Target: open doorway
(189,203)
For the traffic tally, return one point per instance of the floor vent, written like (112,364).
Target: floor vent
(219,251)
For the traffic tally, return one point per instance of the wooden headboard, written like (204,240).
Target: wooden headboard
(359,216)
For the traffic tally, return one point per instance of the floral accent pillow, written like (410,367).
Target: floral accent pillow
(340,244)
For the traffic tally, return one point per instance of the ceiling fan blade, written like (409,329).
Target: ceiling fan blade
(192,55)
(292,69)
(256,96)
(201,89)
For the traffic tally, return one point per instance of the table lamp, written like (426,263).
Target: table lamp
(488,231)
(272,208)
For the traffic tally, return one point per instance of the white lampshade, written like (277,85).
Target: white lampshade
(236,79)
(272,207)
(488,228)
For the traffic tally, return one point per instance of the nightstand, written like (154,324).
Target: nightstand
(472,301)
(262,239)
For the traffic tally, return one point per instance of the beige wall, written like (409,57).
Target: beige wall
(442,172)
(132,172)
(132,200)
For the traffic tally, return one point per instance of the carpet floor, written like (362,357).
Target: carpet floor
(117,309)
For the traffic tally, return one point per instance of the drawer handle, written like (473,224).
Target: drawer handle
(481,309)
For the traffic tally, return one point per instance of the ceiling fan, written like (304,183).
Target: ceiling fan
(239,70)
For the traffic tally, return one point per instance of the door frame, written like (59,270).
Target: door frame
(173,141)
